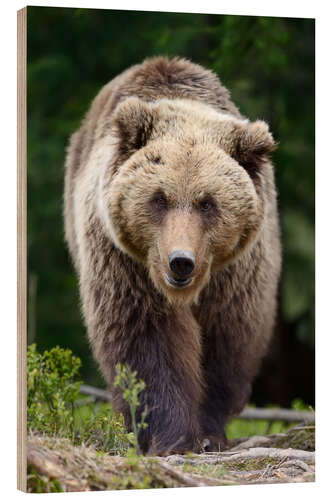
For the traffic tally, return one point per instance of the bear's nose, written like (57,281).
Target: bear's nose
(181,263)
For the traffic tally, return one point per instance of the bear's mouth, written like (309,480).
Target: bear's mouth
(178,283)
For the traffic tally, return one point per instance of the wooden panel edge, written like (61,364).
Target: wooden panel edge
(21,249)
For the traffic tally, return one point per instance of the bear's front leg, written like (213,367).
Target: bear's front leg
(166,355)
(164,349)
(228,372)
(230,360)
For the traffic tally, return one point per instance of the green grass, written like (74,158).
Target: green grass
(239,428)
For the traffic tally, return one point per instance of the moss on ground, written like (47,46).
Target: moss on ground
(299,438)
(212,470)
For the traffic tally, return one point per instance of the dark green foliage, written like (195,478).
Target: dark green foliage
(268,63)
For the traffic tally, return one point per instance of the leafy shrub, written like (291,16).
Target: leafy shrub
(52,389)
(55,407)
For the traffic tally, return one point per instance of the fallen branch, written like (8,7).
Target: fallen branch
(248,414)
(243,455)
(95,393)
(277,414)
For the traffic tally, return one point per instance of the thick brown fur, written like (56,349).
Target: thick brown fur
(164,161)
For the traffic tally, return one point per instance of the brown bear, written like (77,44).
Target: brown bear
(171,221)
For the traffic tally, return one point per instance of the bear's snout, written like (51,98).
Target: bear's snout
(181,263)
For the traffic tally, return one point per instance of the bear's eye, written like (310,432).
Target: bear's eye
(159,202)
(206,206)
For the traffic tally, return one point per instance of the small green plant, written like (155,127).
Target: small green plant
(126,380)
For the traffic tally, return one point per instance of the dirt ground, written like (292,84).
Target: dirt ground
(56,465)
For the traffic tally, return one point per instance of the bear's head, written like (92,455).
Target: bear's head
(183,193)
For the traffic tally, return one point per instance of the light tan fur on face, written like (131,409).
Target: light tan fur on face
(192,143)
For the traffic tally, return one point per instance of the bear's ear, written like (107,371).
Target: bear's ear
(134,122)
(252,144)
